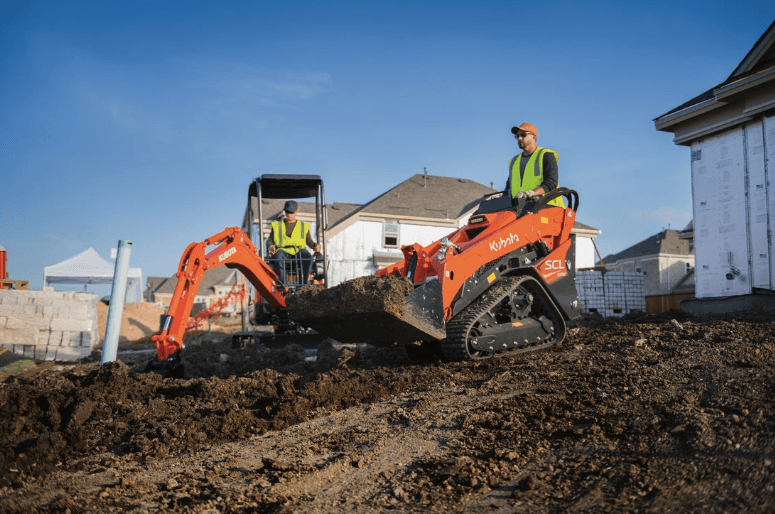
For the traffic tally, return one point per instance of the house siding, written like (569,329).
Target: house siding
(585,252)
(350,252)
(661,273)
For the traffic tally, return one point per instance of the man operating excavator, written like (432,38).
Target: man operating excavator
(535,170)
(288,237)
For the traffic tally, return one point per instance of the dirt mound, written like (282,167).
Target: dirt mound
(350,311)
(644,414)
(139,320)
(358,296)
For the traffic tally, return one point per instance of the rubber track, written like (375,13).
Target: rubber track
(455,346)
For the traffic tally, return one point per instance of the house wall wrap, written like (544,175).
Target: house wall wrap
(734,201)
(48,324)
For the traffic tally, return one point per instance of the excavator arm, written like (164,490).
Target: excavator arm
(233,249)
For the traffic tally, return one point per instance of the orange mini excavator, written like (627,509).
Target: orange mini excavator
(235,249)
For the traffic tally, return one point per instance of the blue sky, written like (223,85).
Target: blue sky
(146,121)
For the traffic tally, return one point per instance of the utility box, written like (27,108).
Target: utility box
(732,210)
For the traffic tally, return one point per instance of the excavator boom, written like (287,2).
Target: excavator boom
(233,249)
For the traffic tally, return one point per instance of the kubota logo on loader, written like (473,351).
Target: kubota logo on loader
(499,245)
(228,253)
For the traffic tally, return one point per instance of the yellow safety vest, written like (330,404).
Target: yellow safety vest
(298,236)
(534,174)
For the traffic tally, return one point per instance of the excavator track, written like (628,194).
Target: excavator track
(515,315)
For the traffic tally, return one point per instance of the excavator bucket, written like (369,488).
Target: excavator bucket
(375,309)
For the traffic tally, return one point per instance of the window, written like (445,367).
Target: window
(637,266)
(689,267)
(390,234)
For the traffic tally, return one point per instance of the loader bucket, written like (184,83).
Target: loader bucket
(372,310)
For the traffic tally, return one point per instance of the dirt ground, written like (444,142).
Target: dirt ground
(642,414)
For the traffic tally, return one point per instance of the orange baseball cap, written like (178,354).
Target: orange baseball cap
(525,127)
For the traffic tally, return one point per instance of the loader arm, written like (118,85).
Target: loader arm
(233,249)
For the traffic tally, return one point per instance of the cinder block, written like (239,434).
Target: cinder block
(3,320)
(65,324)
(51,353)
(55,338)
(47,311)
(22,336)
(86,297)
(40,353)
(67,353)
(16,323)
(8,298)
(18,310)
(71,338)
(90,338)
(29,351)
(74,311)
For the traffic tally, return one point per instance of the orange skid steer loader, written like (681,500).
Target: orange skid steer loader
(503,284)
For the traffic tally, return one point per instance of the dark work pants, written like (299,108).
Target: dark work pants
(303,259)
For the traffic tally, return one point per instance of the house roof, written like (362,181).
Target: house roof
(756,68)
(429,196)
(665,242)
(581,227)
(153,283)
(685,284)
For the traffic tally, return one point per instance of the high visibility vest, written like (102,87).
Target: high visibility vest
(534,173)
(298,236)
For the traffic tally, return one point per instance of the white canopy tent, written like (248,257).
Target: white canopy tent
(89,268)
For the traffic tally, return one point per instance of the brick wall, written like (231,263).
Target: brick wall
(48,325)
(611,293)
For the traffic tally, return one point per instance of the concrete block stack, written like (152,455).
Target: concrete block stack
(48,325)
(611,293)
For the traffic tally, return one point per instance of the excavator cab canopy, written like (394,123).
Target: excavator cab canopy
(286,186)
(265,198)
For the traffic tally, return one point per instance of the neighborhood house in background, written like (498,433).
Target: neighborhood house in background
(731,132)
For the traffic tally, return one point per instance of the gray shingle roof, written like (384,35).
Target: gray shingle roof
(429,196)
(665,242)
(153,283)
(581,226)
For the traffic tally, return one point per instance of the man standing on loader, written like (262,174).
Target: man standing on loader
(288,237)
(535,170)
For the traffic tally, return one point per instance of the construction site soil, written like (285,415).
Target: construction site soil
(639,414)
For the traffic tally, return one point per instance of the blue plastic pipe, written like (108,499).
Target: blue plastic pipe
(116,308)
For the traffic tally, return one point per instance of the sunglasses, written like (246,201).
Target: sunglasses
(522,134)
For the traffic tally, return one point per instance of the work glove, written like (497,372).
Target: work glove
(525,194)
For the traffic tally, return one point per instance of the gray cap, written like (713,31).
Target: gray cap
(291,206)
